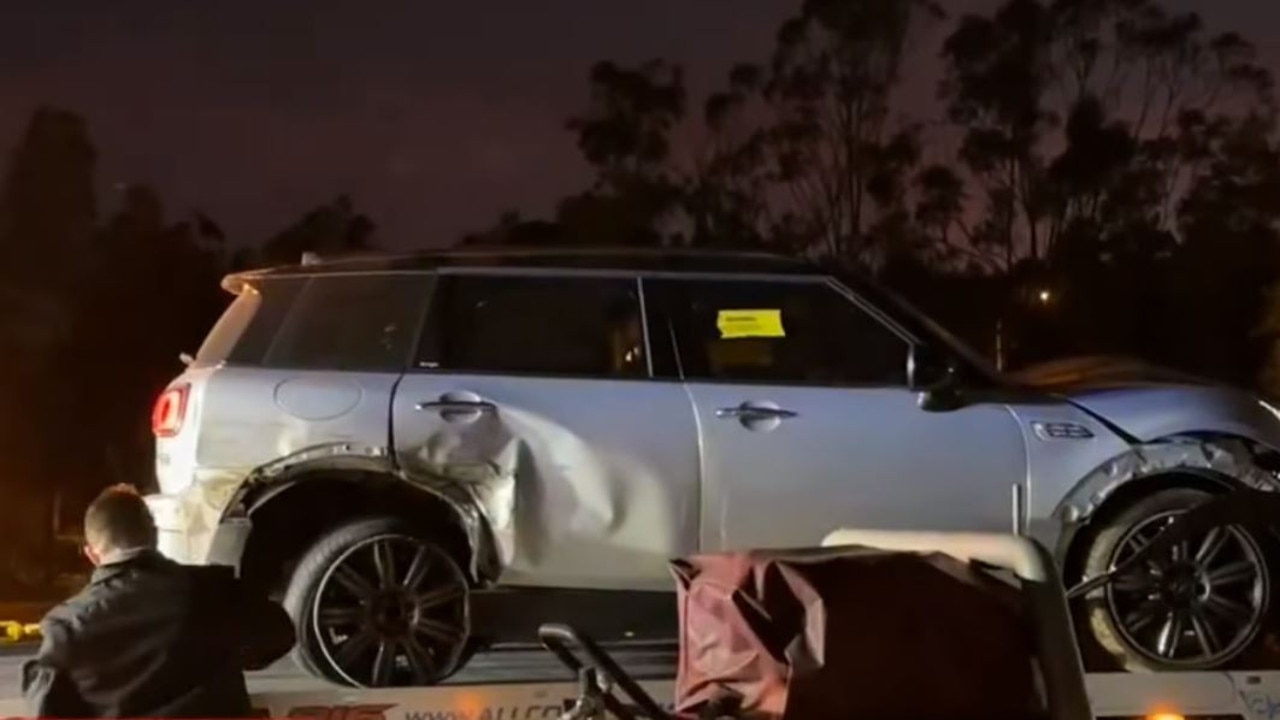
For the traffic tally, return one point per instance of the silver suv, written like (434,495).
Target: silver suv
(431,453)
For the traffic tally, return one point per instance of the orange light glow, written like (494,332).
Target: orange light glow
(470,704)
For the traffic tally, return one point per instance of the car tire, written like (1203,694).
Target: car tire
(297,602)
(378,603)
(1199,607)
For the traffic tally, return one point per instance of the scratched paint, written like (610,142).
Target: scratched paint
(1261,704)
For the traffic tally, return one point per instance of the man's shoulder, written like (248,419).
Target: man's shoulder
(60,618)
(69,616)
(63,623)
(101,595)
(74,609)
(106,589)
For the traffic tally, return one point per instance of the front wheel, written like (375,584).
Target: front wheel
(1198,607)
(377,604)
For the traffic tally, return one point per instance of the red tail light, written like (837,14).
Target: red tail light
(169,411)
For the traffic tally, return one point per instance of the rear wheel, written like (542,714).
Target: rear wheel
(1197,607)
(377,604)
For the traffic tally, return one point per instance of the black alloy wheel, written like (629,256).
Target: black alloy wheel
(1199,605)
(391,610)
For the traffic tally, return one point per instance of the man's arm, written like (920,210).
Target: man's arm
(267,629)
(47,685)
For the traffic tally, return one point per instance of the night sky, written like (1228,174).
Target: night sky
(435,116)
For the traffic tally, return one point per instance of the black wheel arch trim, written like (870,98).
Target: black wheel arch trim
(271,480)
(1217,463)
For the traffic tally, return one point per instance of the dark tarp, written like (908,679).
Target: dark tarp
(852,633)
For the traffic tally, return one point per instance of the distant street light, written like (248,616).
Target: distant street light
(1044,296)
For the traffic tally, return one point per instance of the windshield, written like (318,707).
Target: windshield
(920,324)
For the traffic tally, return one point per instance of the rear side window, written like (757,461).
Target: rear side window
(245,330)
(364,322)
(561,326)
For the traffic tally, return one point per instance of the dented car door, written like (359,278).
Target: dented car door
(534,394)
(807,424)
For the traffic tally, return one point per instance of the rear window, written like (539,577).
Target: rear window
(366,322)
(245,330)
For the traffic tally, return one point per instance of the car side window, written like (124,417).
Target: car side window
(535,325)
(780,332)
(363,323)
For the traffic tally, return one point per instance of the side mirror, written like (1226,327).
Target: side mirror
(928,370)
(933,375)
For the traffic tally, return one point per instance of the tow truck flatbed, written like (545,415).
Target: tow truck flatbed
(1218,695)
(524,677)
(527,683)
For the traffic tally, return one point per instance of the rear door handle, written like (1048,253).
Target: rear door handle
(444,405)
(755,412)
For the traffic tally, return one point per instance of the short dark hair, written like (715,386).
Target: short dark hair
(119,519)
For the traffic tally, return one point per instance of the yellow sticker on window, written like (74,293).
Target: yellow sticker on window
(734,324)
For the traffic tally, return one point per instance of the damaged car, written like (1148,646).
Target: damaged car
(430,453)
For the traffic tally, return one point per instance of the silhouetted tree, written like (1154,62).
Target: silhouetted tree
(1084,210)
(1083,119)
(91,322)
(806,152)
(843,157)
(47,216)
(1229,225)
(334,227)
(513,230)
(1086,122)
(625,134)
(998,71)
(727,195)
(820,165)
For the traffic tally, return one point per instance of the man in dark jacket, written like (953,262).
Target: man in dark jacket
(149,637)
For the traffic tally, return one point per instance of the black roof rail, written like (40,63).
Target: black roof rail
(601,257)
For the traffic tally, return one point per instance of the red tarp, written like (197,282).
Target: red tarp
(852,633)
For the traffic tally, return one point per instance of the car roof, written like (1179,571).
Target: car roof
(598,258)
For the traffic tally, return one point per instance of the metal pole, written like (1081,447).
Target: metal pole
(1000,344)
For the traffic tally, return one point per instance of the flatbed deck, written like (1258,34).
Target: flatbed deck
(1242,695)
(528,684)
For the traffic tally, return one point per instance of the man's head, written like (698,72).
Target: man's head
(117,521)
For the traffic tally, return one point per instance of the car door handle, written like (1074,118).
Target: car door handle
(754,412)
(457,406)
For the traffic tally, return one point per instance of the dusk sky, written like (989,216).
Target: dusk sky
(434,116)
